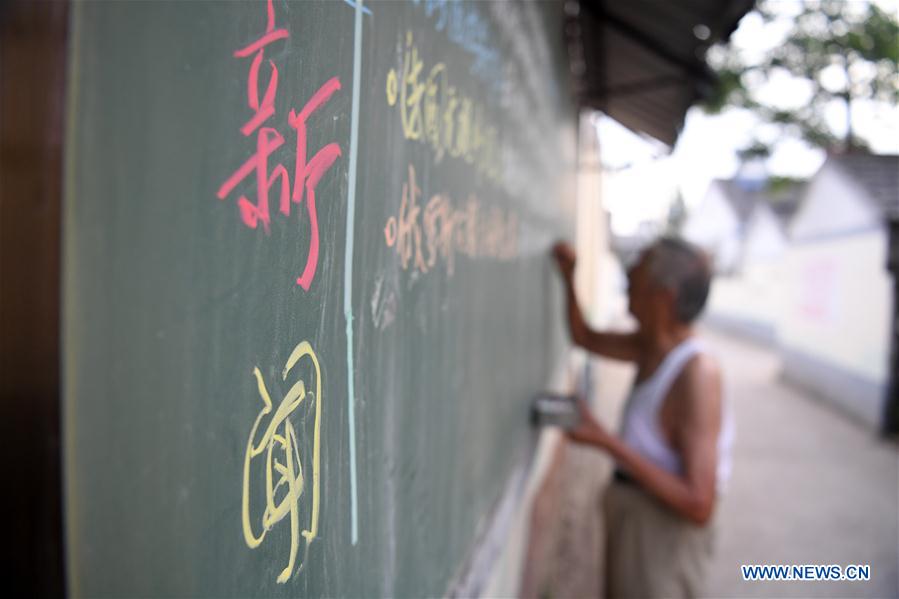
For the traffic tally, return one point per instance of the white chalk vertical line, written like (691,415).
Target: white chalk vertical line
(348,268)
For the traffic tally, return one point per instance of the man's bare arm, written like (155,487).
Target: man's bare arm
(696,433)
(692,495)
(620,346)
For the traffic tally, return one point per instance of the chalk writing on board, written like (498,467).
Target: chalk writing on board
(383,303)
(432,111)
(274,447)
(421,237)
(306,173)
(467,28)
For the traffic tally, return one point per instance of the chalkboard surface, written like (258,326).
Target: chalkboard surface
(306,296)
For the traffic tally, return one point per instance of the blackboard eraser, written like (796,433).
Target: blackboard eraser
(550,409)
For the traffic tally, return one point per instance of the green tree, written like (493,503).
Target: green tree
(857,39)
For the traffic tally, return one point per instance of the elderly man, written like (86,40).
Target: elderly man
(672,456)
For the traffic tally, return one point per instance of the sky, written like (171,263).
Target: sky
(642,177)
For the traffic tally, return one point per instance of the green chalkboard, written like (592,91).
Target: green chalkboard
(306,289)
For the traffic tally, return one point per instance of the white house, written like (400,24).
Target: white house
(742,223)
(837,312)
(717,224)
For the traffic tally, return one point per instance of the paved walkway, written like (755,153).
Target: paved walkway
(809,486)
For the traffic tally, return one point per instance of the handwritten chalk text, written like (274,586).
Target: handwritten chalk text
(432,111)
(282,464)
(306,173)
(421,236)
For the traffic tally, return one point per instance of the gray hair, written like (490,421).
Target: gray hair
(683,268)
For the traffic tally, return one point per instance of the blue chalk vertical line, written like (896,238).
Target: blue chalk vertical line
(348,268)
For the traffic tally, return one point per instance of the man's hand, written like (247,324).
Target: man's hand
(589,431)
(565,258)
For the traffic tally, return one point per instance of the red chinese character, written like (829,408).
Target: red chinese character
(267,139)
(266,108)
(307,174)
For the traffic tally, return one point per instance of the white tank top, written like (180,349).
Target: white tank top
(641,426)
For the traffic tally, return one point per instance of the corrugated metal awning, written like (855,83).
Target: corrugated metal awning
(642,62)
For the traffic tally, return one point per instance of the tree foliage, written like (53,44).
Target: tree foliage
(845,51)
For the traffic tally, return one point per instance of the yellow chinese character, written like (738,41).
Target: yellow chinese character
(284,476)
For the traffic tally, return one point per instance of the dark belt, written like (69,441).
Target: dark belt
(623,477)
